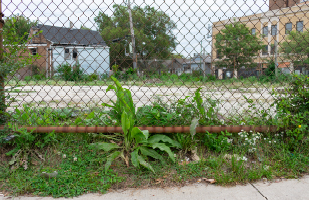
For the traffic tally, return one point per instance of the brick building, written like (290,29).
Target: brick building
(282,17)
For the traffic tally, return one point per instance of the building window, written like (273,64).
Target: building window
(253,31)
(33,51)
(273,29)
(35,34)
(74,53)
(67,55)
(265,50)
(299,26)
(288,28)
(265,31)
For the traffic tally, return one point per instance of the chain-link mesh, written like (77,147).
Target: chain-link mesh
(218,61)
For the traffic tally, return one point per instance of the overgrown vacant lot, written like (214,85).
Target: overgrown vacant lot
(70,164)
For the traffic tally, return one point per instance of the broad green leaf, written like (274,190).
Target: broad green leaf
(110,159)
(152,153)
(78,120)
(139,135)
(105,104)
(111,87)
(143,162)
(163,147)
(104,146)
(90,115)
(125,121)
(116,82)
(134,160)
(158,137)
(193,126)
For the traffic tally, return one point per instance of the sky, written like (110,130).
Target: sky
(192,17)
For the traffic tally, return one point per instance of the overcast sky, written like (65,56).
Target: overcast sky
(192,17)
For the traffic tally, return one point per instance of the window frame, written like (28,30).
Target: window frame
(34,51)
(265,53)
(288,31)
(74,54)
(302,28)
(67,55)
(263,31)
(254,31)
(35,33)
(272,29)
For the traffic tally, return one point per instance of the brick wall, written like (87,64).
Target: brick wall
(276,4)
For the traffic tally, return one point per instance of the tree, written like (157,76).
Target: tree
(296,49)
(152,29)
(11,58)
(236,46)
(176,55)
(21,26)
(84,28)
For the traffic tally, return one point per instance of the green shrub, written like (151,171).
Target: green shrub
(218,141)
(92,77)
(293,110)
(68,74)
(27,78)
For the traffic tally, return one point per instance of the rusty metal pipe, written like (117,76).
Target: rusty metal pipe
(162,129)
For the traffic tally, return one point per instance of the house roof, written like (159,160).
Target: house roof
(63,35)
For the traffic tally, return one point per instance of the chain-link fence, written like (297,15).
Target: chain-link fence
(220,85)
(221,62)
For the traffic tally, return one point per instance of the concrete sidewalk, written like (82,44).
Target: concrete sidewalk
(283,190)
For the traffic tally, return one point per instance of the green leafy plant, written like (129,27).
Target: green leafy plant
(188,142)
(293,110)
(70,73)
(14,56)
(137,145)
(218,142)
(124,102)
(27,145)
(205,110)
(92,77)
(156,114)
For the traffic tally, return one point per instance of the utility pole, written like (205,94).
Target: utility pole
(132,37)
(202,59)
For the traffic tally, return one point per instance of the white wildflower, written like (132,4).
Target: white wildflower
(74,159)
(64,156)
